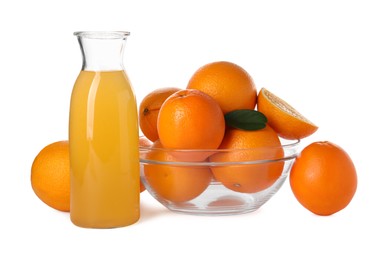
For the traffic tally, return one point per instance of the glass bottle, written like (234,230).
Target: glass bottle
(103,136)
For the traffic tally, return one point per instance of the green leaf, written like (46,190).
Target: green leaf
(246,119)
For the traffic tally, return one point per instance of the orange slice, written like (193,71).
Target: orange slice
(283,118)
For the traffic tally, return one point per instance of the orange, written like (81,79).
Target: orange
(143,142)
(248,146)
(323,178)
(149,111)
(50,175)
(173,182)
(283,118)
(191,119)
(229,84)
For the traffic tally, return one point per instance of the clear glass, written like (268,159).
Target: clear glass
(103,136)
(222,184)
(102,51)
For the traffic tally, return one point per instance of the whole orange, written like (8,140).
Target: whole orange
(149,111)
(323,178)
(175,183)
(50,175)
(191,119)
(244,148)
(228,83)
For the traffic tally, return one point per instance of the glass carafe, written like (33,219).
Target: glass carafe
(103,136)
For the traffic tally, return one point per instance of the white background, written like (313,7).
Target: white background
(329,59)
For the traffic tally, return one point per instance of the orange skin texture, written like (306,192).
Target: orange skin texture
(285,124)
(249,178)
(323,178)
(50,175)
(229,84)
(190,119)
(149,111)
(175,183)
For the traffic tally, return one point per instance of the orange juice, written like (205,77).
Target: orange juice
(104,155)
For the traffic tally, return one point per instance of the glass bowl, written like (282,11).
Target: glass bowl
(216,182)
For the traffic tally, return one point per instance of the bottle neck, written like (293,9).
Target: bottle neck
(102,51)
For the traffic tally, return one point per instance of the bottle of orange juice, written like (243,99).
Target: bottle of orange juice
(103,136)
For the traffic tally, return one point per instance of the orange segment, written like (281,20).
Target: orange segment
(283,118)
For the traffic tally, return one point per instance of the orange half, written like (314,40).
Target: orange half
(283,118)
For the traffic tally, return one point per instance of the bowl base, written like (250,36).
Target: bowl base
(218,201)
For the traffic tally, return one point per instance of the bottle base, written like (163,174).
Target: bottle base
(106,224)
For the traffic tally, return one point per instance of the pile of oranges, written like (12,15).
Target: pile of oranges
(323,178)
(197,118)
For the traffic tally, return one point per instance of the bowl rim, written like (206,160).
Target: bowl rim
(289,146)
